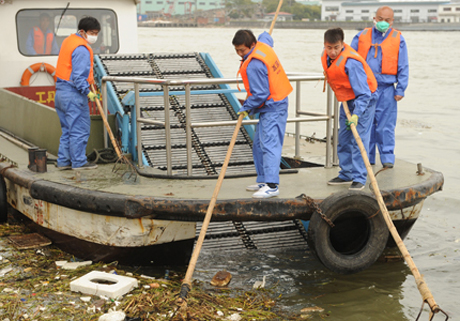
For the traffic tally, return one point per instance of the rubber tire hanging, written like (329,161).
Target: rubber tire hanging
(358,238)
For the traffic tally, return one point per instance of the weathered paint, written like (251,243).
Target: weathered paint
(130,207)
(407,213)
(100,229)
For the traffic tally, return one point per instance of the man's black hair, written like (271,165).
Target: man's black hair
(334,35)
(244,37)
(89,23)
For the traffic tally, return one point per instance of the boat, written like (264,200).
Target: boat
(164,110)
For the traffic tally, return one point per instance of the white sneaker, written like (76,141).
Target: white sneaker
(255,187)
(266,192)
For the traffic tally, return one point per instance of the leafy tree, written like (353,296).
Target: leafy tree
(240,8)
(300,11)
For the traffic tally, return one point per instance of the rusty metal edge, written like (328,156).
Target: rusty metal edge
(274,209)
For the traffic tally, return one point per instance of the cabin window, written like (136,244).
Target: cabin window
(41,31)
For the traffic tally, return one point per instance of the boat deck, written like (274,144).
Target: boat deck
(225,234)
(309,181)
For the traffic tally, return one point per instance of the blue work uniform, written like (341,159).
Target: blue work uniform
(71,103)
(269,135)
(351,162)
(31,39)
(383,130)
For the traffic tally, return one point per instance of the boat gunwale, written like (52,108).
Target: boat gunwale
(132,207)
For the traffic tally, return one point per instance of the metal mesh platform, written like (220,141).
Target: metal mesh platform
(210,144)
(254,235)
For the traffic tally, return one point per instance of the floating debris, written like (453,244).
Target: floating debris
(259,284)
(222,278)
(46,295)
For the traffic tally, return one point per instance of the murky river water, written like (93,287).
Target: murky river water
(427,132)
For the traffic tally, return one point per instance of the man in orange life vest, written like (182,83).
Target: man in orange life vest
(352,81)
(74,73)
(41,39)
(268,88)
(385,51)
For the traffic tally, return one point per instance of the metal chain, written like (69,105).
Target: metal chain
(311,202)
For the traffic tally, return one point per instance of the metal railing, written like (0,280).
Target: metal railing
(330,116)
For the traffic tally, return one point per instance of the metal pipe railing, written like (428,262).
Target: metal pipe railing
(331,110)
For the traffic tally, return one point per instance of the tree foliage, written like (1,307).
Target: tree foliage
(300,11)
(238,9)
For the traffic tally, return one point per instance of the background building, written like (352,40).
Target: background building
(404,11)
(449,12)
(157,8)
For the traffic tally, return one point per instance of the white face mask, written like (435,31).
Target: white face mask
(91,39)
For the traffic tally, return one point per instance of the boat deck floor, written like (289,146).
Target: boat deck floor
(311,181)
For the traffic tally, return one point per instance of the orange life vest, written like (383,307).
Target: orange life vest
(338,78)
(39,41)
(279,84)
(64,63)
(390,49)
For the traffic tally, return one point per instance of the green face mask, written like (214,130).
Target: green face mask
(382,26)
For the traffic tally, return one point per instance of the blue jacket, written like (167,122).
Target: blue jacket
(258,81)
(401,79)
(81,65)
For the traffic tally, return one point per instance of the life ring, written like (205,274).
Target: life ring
(39,66)
(3,201)
(358,238)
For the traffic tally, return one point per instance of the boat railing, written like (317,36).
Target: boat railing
(330,117)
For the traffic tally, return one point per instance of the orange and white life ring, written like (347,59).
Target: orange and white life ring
(39,66)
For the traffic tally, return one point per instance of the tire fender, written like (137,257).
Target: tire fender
(358,238)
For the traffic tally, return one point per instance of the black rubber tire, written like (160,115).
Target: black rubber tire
(358,238)
(3,201)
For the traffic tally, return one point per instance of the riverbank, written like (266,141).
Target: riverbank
(323,25)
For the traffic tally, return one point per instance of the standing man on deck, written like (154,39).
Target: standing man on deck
(352,81)
(385,50)
(74,73)
(267,87)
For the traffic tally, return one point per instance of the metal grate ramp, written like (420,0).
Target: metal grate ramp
(210,144)
(254,235)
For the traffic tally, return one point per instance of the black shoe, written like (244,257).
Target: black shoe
(388,165)
(63,168)
(338,181)
(86,166)
(355,186)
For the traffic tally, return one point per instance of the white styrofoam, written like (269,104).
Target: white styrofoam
(88,284)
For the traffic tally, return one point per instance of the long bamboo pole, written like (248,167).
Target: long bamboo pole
(107,126)
(421,285)
(186,283)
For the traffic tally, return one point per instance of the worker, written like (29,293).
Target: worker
(267,87)
(385,50)
(352,81)
(74,73)
(41,40)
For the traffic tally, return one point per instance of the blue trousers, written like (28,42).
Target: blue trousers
(268,144)
(351,163)
(72,109)
(383,127)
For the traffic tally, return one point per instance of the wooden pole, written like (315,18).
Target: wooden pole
(275,17)
(421,285)
(186,283)
(196,251)
(106,123)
